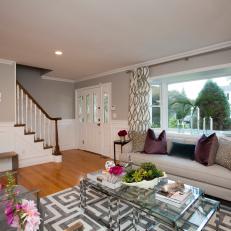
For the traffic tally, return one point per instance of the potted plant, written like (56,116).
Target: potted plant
(146,176)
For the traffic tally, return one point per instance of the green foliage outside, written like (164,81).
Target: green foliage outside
(147,171)
(180,104)
(211,101)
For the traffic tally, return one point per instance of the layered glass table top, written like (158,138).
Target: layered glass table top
(191,215)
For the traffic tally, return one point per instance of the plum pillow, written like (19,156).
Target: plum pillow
(206,149)
(155,145)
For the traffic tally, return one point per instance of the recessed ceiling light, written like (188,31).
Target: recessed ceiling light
(58,52)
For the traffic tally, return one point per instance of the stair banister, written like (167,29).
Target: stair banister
(20,100)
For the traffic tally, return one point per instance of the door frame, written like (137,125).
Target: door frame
(108,86)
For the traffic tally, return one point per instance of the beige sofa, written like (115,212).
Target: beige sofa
(215,180)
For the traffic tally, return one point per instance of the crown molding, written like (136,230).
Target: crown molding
(187,54)
(5,61)
(46,77)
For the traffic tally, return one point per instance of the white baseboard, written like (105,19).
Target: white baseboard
(36,160)
(57,159)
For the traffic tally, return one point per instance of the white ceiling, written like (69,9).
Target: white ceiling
(100,35)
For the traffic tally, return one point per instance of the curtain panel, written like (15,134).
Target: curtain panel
(139,101)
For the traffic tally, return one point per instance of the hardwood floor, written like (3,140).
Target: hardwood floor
(53,177)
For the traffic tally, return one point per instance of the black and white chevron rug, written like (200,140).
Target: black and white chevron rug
(62,210)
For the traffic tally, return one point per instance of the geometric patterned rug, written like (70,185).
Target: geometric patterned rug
(62,210)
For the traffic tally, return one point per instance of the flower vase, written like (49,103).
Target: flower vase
(122,138)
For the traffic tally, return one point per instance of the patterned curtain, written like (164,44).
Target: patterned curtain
(139,113)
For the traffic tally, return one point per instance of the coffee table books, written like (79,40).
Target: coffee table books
(177,198)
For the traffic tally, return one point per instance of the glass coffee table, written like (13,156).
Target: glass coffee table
(192,215)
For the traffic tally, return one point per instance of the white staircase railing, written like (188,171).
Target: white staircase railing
(36,120)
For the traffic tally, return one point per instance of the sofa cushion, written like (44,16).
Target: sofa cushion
(223,157)
(155,145)
(183,150)
(215,174)
(138,140)
(170,141)
(206,149)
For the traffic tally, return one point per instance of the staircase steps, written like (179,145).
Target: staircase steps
(34,120)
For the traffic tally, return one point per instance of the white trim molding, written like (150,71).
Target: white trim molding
(187,54)
(5,61)
(46,77)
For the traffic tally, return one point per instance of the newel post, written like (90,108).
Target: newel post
(56,149)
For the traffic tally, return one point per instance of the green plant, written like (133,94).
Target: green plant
(147,171)
(148,166)
(129,177)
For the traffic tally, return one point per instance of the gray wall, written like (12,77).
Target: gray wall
(56,97)
(7,89)
(120,81)
(120,91)
(206,60)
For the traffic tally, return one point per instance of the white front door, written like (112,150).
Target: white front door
(93,117)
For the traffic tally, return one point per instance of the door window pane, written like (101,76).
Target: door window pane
(95,108)
(88,109)
(80,111)
(105,108)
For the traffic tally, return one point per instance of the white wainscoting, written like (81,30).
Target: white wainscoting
(117,125)
(6,143)
(67,134)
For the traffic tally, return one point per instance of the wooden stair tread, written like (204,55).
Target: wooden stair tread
(29,133)
(38,140)
(47,146)
(19,125)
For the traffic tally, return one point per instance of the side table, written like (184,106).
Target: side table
(121,143)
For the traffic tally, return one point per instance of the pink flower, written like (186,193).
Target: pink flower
(32,215)
(9,211)
(116,170)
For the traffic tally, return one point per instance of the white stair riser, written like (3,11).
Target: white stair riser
(34,161)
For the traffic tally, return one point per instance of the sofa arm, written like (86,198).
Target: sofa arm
(127,148)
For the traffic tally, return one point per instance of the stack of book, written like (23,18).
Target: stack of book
(175,198)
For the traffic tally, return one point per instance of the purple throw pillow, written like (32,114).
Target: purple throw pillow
(206,149)
(155,145)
